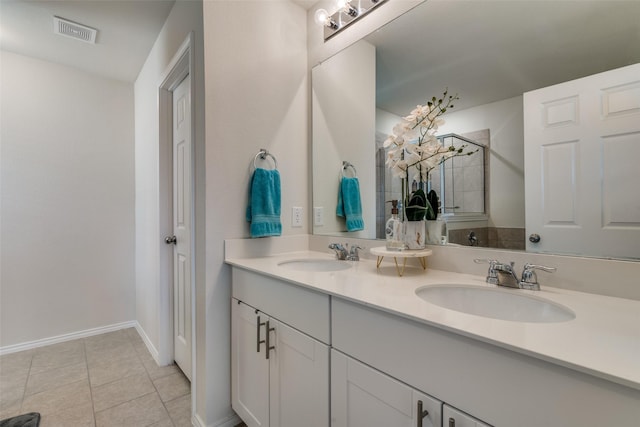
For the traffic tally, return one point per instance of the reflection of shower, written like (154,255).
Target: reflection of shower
(460,181)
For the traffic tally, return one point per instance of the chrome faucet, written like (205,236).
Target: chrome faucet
(341,252)
(504,275)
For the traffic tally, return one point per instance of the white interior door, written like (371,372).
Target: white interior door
(582,145)
(182,224)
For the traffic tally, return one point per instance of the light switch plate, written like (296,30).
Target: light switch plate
(296,216)
(318,216)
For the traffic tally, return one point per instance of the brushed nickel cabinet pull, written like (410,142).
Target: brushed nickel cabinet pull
(269,347)
(452,422)
(421,413)
(258,340)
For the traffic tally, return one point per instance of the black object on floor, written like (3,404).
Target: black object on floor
(32,419)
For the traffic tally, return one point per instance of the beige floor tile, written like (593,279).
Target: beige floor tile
(113,353)
(78,416)
(156,371)
(133,334)
(180,411)
(139,412)
(120,391)
(57,377)
(67,347)
(12,389)
(164,423)
(172,386)
(11,409)
(12,363)
(58,399)
(113,370)
(106,341)
(58,356)
(140,347)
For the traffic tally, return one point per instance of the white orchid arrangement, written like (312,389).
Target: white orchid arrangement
(427,152)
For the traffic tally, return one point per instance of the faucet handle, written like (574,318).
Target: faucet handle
(353,253)
(492,275)
(529,278)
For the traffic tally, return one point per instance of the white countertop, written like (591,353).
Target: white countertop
(603,340)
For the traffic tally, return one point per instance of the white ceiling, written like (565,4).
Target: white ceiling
(127,30)
(492,50)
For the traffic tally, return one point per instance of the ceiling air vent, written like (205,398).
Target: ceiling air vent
(74,30)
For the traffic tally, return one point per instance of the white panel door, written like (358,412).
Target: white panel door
(299,379)
(582,145)
(249,365)
(364,397)
(451,417)
(182,202)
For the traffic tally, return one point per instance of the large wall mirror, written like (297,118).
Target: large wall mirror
(488,52)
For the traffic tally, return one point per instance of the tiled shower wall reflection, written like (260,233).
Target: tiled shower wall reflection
(490,237)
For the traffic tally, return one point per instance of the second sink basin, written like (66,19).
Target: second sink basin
(495,303)
(315,264)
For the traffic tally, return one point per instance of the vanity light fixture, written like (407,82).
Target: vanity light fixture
(348,12)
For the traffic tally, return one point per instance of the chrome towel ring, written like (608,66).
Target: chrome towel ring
(262,155)
(346,165)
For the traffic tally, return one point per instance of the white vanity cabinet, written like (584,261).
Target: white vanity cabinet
(498,386)
(451,417)
(280,375)
(364,397)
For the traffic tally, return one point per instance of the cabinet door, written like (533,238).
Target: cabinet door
(299,379)
(364,397)
(249,365)
(451,417)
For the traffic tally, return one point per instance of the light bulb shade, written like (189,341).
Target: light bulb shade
(321,16)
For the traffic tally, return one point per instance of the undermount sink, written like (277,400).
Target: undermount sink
(315,264)
(495,303)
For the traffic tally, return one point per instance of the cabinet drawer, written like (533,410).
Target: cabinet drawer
(303,309)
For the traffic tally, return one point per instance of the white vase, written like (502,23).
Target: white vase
(435,231)
(414,234)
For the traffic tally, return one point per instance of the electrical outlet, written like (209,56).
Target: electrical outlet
(296,216)
(318,215)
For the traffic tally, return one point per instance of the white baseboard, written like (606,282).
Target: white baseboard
(154,352)
(230,421)
(67,337)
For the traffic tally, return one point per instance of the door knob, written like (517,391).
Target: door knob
(170,240)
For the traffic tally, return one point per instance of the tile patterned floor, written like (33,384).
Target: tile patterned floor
(106,380)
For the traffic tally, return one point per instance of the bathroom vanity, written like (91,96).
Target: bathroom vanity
(322,344)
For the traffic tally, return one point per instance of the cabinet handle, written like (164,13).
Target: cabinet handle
(269,347)
(452,422)
(421,413)
(258,340)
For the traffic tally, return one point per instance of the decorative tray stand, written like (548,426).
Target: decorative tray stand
(421,254)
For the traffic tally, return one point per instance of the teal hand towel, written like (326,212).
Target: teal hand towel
(263,211)
(349,204)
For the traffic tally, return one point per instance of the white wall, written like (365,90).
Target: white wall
(345,83)
(67,243)
(256,97)
(154,172)
(504,119)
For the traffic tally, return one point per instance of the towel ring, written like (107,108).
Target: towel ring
(262,155)
(345,166)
